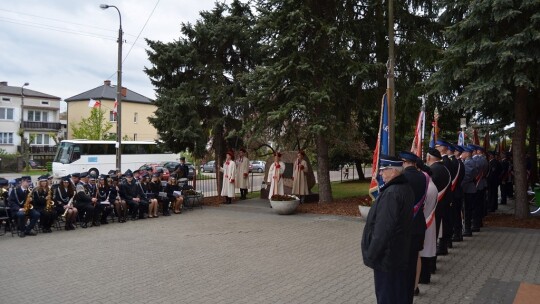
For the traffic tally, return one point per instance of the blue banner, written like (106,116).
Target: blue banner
(382,147)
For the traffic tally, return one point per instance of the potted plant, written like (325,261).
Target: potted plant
(284,204)
(365,206)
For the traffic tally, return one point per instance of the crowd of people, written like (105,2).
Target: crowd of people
(423,208)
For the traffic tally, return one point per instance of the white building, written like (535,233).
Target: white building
(35,113)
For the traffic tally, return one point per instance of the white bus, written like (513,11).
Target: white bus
(99,156)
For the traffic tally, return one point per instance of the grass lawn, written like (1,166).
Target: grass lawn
(347,189)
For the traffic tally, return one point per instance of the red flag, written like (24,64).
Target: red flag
(94,103)
(476,140)
(115,107)
(416,147)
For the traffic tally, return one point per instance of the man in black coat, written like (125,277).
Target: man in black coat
(17,198)
(132,192)
(386,239)
(442,179)
(458,196)
(419,183)
(493,179)
(181,170)
(84,202)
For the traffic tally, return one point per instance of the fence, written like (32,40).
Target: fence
(208,183)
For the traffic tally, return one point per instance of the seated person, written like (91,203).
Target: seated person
(176,199)
(16,201)
(152,189)
(63,200)
(132,192)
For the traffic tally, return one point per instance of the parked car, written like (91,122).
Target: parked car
(33,164)
(154,168)
(209,167)
(171,165)
(257,166)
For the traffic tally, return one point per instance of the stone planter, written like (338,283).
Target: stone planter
(284,207)
(364,211)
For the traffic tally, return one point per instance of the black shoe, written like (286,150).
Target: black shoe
(21,234)
(104,222)
(467,233)
(442,249)
(84,225)
(32,233)
(416,292)
(449,244)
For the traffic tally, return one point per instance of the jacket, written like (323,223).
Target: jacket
(386,239)
(418,182)
(469,183)
(483,170)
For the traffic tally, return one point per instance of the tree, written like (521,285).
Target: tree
(491,66)
(94,127)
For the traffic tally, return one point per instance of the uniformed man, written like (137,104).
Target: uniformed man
(386,238)
(242,173)
(451,163)
(481,185)
(506,177)
(419,183)
(75,178)
(41,194)
(17,198)
(493,179)
(458,196)
(469,189)
(132,193)
(443,180)
(84,202)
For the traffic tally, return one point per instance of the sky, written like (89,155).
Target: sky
(66,47)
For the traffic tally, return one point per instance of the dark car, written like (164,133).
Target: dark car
(257,166)
(209,167)
(171,165)
(154,168)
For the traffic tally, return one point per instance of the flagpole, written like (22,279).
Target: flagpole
(423,109)
(390,81)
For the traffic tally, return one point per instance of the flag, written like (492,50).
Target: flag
(476,140)
(94,103)
(115,106)
(432,137)
(434,129)
(461,138)
(381,148)
(416,147)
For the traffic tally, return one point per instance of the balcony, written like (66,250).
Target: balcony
(38,125)
(40,150)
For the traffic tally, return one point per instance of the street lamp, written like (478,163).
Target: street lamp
(118,92)
(21,128)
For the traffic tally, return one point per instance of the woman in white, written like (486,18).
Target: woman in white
(229,175)
(242,173)
(300,186)
(275,176)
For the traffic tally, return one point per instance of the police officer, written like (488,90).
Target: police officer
(469,189)
(442,168)
(481,185)
(458,196)
(418,182)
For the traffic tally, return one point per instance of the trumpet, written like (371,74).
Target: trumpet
(69,205)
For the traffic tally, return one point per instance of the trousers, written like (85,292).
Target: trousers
(390,287)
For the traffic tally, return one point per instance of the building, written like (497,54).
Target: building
(136,109)
(33,113)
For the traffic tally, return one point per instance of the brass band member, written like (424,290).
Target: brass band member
(63,199)
(150,195)
(132,193)
(42,201)
(16,200)
(84,201)
(300,186)
(104,200)
(155,188)
(176,200)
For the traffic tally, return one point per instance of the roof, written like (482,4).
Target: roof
(105,91)
(16,91)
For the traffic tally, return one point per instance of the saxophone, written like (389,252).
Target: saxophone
(49,201)
(28,202)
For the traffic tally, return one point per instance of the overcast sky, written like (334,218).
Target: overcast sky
(66,47)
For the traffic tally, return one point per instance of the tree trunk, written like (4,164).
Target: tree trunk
(359,169)
(533,136)
(518,150)
(323,172)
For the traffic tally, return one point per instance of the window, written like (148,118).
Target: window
(6,138)
(6,113)
(45,103)
(6,99)
(135,117)
(40,139)
(134,136)
(38,116)
(112,116)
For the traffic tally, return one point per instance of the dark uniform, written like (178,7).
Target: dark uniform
(83,203)
(39,200)
(457,197)
(131,190)
(493,179)
(16,199)
(418,182)
(481,186)
(181,170)
(506,178)
(442,179)
(103,194)
(469,191)
(386,239)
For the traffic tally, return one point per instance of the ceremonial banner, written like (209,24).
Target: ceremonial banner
(416,147)
(476,139)
(380,148)
(434,129)
(461,138)
(94,103)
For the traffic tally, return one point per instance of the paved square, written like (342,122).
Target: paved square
(244,254)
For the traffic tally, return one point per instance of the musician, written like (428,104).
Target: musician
(151,190)
(75,179)
(242,171)
(300,186)
(85,202)
(63,194)
(176,200)
(41,196)
(155,189)
(458,196)
(132,193)
(16,200)
(275,174)
(105,203)
(115,199)
(229,176)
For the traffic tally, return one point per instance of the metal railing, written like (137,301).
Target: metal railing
(39,125)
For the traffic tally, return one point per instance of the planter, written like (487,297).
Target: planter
(284,207)
(194,200)
(364,210)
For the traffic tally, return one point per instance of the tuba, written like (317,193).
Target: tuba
(28,202)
